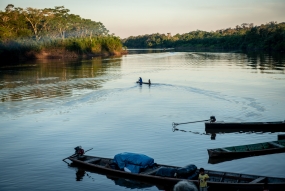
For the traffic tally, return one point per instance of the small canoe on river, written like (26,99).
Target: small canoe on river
(249,150)
(144,83)
(216,127)
(168,176)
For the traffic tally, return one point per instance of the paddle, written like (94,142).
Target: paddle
(76,154)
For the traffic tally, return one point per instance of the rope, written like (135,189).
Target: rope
(212,120)
(175,124)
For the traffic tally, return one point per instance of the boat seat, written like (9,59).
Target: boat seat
(281,142)
(276,144)
(232,149)
(266,145)
(151,171)
(92,160)
(260,179)
(223,149)
(255,147)
(241,148)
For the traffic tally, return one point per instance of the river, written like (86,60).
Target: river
(48,107)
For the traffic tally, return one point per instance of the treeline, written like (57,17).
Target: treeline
(269,36)
(24,31)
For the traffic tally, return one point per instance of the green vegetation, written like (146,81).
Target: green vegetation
(270,36)
(27,33)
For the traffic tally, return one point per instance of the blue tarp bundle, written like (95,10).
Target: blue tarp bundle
(134,162)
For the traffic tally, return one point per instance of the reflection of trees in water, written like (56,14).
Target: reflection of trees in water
(263,62)
(145,51)
(266,61)
(53,78)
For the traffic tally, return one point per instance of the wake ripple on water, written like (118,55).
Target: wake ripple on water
(239,108)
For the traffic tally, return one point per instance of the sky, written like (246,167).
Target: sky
(127,18)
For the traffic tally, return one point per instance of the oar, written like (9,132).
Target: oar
(76,154)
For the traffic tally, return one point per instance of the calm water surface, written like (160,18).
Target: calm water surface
(49,107)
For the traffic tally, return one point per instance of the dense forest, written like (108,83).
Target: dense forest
(52,32)
(269,36)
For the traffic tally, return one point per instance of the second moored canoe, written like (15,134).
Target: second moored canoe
(249,150)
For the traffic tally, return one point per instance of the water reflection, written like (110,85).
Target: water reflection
(49,78)
(213,136)
(266,61)
(82,172)
(58,78)
(214,132)
(269,62)
(127,183)
(149,50)
(220,160)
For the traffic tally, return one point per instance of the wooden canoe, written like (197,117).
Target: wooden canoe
(248,150)
(144,83)
(218,180)
(216,127)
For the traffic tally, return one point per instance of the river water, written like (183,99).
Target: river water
(49,107)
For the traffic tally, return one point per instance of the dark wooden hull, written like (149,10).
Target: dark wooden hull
(281,137)
(217,127)
(218,180)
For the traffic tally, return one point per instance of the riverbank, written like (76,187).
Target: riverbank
(57,53)
(61,48)
(60,53)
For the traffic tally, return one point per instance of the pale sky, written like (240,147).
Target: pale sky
(127,18)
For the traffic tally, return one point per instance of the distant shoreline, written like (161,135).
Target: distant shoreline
(204,49)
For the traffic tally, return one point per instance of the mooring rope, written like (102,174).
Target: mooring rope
(175,124)
(212,119)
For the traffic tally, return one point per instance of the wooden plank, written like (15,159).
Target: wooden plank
(92,160)
(225,150)
(281,142)
(275,144)
(257,180)
(222,178)
(151,171)
(238,178)
(241,148)
(255,147)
